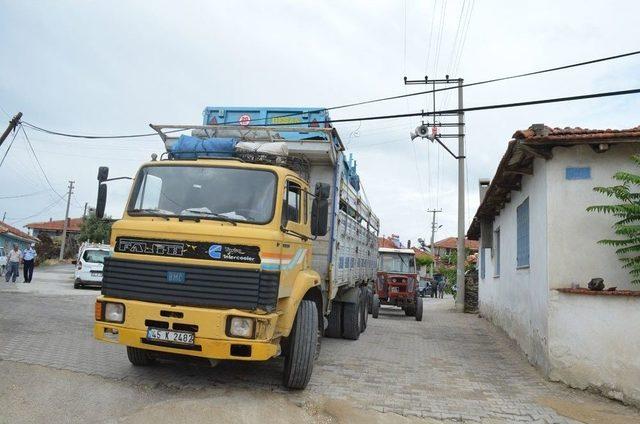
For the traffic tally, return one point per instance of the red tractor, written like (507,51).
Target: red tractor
(397,282)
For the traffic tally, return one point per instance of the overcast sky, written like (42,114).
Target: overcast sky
(98,67)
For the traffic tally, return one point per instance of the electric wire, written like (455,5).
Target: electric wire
(19,196)
(47,208)
(365,102)
(15,134)
(39,164)
(454,51)
(440,34)
(433,19)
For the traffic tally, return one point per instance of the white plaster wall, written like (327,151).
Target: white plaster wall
(574,254)
(516,301)
(594,342)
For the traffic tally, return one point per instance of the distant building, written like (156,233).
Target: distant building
(450,245)
(54,228)
(538,243)
(392,242)
(10,235)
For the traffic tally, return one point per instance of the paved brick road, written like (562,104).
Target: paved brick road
(450,366)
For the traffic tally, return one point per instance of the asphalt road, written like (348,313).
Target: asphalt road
(450,367)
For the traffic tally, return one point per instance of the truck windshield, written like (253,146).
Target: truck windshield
(397,262)
(205,192)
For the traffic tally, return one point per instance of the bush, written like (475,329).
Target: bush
(627,211)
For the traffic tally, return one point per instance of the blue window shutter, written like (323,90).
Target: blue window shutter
(482,255)
(522,217)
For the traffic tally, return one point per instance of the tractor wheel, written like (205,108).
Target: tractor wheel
(334,327)
(410,310)
(418,312)
(363,309)
(369,300)
(375,306)
(301,349)
(351,318)
(139,357)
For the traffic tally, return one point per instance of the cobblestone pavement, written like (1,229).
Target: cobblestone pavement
(450,366)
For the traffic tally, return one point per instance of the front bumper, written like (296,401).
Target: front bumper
(210,341)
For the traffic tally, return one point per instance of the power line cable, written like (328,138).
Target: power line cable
(433,19)
(19,196)
(455,40)
(365,102)
(15,134)
(39,164)
(50,206)
(440,33)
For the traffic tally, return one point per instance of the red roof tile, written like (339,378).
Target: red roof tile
(540,132)
(452,243)
(6,228)
(74,225)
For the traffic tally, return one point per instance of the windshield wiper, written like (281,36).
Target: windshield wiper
(159,212)
(206,213)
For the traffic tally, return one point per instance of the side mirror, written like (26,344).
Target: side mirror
(102,200)
(319,216)
(103,174)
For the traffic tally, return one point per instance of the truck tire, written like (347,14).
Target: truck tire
(363,309)
(351,318)
(418,309)
(139,357)
(298,363)
(375,306)
(334,326)
(369,300)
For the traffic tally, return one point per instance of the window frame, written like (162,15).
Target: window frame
(523,247)
(496,243)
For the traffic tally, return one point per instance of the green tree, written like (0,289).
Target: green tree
(627,213)
(95,230)
(424,260)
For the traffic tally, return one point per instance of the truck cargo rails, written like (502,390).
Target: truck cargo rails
(240,243)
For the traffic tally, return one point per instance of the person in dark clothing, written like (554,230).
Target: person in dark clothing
(28,259)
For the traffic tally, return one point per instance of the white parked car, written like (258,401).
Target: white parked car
(3,260)
(89,264)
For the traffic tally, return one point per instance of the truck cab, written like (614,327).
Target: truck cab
(225,253)
(397,282)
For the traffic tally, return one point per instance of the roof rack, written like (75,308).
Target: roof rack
(252,132)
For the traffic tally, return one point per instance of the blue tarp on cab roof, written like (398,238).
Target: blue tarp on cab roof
(189,147)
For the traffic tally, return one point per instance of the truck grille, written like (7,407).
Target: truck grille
(202,286)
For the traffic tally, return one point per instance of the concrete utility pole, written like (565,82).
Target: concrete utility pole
(66,219)
(12,126)
(461,232)
(433,233)
(423,132)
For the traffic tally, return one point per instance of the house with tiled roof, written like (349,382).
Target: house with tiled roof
(54,228)
(10,235)
(449,246)
(538,250)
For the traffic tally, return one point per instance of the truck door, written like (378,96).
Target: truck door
(296,252)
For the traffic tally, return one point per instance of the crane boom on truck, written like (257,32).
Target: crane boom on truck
(244,242)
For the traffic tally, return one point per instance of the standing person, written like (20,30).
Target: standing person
(13,264)
(441,289)
(28,259)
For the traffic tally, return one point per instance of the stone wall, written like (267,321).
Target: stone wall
(471,291)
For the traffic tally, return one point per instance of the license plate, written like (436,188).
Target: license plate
(395,289)
(96,273)
(171,336)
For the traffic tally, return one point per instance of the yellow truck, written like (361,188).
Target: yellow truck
(241,242)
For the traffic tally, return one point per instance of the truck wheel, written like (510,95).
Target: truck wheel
(334,326)
(418,309)
(375,306)
(298,363)
(369,300)
(363,310)
(351,320)
(139,357)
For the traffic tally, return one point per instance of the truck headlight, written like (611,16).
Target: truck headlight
(113,312)
(241,327)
